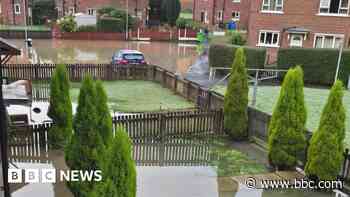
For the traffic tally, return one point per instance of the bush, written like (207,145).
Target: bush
(220,55)
(43,10)
(87,28)
(110,25)
(183,23)
(60,109)
(286,137)
(325,153)
(319,64)
(67,24)
(113,20)
(236,99)
(237,39)
(86,149)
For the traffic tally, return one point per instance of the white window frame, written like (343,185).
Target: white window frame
(220,16)
(17,5)
(236,1)
(237,15)
(71,10)
(291,44)
(328,8)
(93,11)
(267,3)
(323,35)
(260,44)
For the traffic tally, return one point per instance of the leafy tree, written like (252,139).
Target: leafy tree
(60,108)
(43,10)
(287,126)
(325,153)
(104,119)
(121,166)
(170,11)
(236,99)
(86,150)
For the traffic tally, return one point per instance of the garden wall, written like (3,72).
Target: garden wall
(222,55)
(319,65)
(20,34)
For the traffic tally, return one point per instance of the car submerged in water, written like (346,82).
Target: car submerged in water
(129,57)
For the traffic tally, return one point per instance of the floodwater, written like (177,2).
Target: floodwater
(185,170)
(175,57)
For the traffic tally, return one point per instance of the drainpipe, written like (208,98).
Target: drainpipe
(223,12)
(13,13)
(213,13)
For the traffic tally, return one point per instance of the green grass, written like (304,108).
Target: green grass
(315,100)
(22,28)
(186,15)
(138,96)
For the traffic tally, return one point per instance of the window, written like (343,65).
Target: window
(296,40)
(236,15)
(17,8)
(204,17)
(220,15)
(269,38)
(236,1)
(334,7)
(272,5)
(71,10)
(328,41)
(91,11)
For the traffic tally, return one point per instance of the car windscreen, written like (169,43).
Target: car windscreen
(133,56)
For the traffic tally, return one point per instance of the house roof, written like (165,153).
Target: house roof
(7,48)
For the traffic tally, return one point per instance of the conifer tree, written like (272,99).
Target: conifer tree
(236,99)
(287,130)
(170,11)
(60,109)
(325,153)
(86,150)
(104,119)
(121,166)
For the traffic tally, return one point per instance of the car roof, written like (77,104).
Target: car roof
(130,51)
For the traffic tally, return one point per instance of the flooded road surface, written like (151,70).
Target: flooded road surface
(175,57)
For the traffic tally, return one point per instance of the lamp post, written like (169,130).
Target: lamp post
(127,21)
(339,61)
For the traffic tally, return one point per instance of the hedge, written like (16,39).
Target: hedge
(319,65)
(222,55)
(110,25)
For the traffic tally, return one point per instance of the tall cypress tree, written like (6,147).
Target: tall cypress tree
(86,150)
(325,153)
(170,11)
(236,99)
(60,108)
(104,119)
(121,166)
(287,126)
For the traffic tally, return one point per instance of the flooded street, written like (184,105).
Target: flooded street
(175,57)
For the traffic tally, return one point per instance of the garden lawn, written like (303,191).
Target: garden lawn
(315,100)
(138,96)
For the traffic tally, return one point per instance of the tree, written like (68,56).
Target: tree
(44,10)
(170,11)
(287,127)
(327,142)
(236,99)
(105,188)
(86,150)
(60,108)
(104,119)
(121,166)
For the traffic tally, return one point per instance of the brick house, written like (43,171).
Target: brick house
(214,12)
(13,11)
(298,23)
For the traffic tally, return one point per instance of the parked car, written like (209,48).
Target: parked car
(127,57)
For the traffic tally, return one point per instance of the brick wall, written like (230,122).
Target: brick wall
(8,15)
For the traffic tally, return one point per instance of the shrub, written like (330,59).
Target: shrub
(60,109)
(237,38)
(67,24)
(110,25)
(236,99)
(113,20)
(220,55)
(319,64)
(43,10)
(170,11)
(183,23)
(86,149)
(286,137)
(121,166)
(87,28)
(104,119)
(327,143)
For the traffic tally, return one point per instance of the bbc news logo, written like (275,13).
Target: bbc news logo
(52,176)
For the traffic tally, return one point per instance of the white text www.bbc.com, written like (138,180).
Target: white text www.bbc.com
(253,183)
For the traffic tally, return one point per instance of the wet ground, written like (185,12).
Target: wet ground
(175,57)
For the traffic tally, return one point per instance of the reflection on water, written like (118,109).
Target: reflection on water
(175,57)
(172,168)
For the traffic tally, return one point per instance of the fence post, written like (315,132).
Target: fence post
(162,133)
